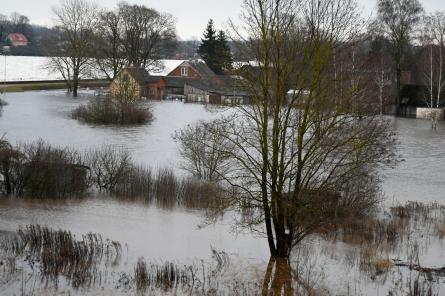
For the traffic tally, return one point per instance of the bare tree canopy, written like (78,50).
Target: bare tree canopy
(77,22)
(304,153)
(398,20)
(110,55)
(132,35)
(144,32)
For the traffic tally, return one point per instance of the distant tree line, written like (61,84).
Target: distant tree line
(88,39)
(402,38)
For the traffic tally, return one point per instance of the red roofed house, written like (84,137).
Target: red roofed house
(17,39)
(191,80)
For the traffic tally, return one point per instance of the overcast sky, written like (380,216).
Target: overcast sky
(191,15)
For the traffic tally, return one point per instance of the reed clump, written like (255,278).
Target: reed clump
(59,253)
(440,229)
(417,210)
(366,231)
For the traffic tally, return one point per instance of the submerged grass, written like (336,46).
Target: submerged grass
(59,253)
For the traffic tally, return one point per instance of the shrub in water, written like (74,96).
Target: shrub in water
(112,111)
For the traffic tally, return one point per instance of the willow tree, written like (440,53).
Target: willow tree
(304,152)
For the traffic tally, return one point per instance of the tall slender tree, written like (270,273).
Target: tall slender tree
(398,19)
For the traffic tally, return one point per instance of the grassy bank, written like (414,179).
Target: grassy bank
(47,85)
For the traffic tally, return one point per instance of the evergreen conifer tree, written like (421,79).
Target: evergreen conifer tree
(214,49)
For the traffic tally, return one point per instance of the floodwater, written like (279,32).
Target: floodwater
(421,174)
(160,234)
(46,115)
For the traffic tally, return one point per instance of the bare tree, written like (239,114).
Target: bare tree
(144,32)
(381,75)
(434,74)
(109,167)
(77,22)
(300,159)
(19,23)
(398,19)
(202,146)
(110,57)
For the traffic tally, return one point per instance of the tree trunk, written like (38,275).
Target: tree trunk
(75,84)
(399,91)
(6,175)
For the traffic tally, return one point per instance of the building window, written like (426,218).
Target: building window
(184,71)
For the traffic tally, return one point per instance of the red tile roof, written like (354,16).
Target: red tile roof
(17,38)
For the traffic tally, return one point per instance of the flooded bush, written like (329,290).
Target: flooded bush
(109,167)
(41,170)
(111,111)
(163,188)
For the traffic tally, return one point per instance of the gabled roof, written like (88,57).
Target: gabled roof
(142,76)
(200,66)
(138,73)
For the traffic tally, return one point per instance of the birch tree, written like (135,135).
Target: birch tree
(434,74)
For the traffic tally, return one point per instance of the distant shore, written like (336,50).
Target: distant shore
(20,86)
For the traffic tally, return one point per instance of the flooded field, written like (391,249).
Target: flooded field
(334,266)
